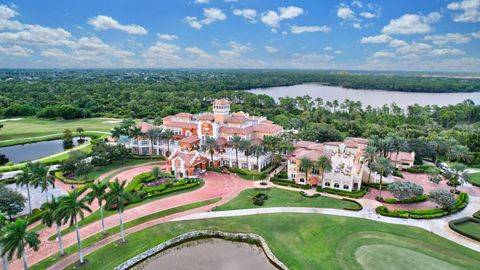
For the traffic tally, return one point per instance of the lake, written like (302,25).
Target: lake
(208,254)
(374,98)
(32,151)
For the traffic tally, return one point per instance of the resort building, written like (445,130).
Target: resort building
(191,131)
(348,167)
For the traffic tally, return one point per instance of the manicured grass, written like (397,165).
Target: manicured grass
(98,171)
(469,227)
(280,197)
(33,127)
(37,228)
(95,216)
(307,241)
(475,178)
(94,238)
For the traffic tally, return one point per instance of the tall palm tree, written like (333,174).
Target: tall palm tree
(167,136)
(51,216)
(370,155)
(152,134)
(3,223)
(210,145)
(97,191)
(41,178)
(116,132)
(257,150)
(16,238)
(118,197)
(235,144)
(246,147)
(383,167)
(135,132)
(306,165)
(158,134)
(72,206)
(398,144)
(324,164)
(26,179)
(440,145)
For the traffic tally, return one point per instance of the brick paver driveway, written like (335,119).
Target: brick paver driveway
(216,185)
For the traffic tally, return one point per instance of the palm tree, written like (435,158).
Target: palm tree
(384,168)
(235,144)
(167,135)
(97,191)
(257,150)
(305,165)
(152,134)
(246,147)
(324,164)
(398,144)
(72,206)
(135,132)
(118,197)
(458,176)
(440,145)
(16,238)
(434,175)
(51,216)
(370,155)
(210,146)
(116,132)
(3,223)
(41,178)
(25,179)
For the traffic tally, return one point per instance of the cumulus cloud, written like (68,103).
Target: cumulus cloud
(15,51)
(273,18)
(102,22)
(248,13)
(470,10)
(376,39)
(456,38)
(328,48)
(236,49)
(309,29)
(270,49)
(202,1)
(345,12)
(162,54)
(167,36)
(397,43)
(33,34)
(211,15)
(197,52)
(411,24)
(6,15)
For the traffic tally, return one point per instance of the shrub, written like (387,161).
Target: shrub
(376,185)
(59,175)
(419,169)
(352,194)
(37,214)
(416,199)
(477,214)
(213,169)
(258,175)
(259,199)
(405,190)
(309,196)
(357,208)
(454,226)
(288,183)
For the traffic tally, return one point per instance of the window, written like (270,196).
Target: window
(345,186)
(327,184)
(188,133)
(336,185)
(292,175)
(302,180)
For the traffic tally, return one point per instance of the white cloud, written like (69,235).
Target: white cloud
(15,51)
(6,14)
(271,49)
(383,54)
(302,29)
(236,49)
(447,51)
(338,52)
(357,3)
(211,15)
(357,25)
(411,24)
(328,48)
(230,1)
(470,10)
(33,34)
(197,52)
(248,13)
(345,12)
(167,36)
(397,43)
(102,22)
(456,38)
(376,39)
(202,1)
(162,54)
(273,19)
(368,15)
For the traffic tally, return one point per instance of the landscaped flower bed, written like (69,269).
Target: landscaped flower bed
(420,198)
(460,203)
(60,176)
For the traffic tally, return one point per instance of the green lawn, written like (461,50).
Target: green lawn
(94,238)
(312,241)
(469,227)
(281,197)
(475,178)
(33,127)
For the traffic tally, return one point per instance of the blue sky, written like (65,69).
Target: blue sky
(433,35)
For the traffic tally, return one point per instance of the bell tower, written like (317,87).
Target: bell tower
(221,110)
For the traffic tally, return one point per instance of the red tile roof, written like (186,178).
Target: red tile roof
(221,102)
(190,139)
(206,117)
(221,141)
(145,127)
(267,128)
(237,120)
(179,125)
(234,130)
(405,156)
(184,115)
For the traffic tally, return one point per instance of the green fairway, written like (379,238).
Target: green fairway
(311,241)
(475,178)
(280,197)
(33,127)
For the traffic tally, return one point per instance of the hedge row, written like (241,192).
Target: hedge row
(358,208)
(213,169)
(37,214)
(59,175)
(288,183)
(454,226)
(173,189)
(376,185)
(477,214)
(309,196)
(167,185)
(352,194)
(159,157)
(460,203)
(418,169)
(420,198)
(258,175)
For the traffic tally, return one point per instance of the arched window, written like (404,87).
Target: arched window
(336,185)
(327,184)
(345,186)
(302,180)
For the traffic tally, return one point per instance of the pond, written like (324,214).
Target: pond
(374,98)
(207,254)
(32,151)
